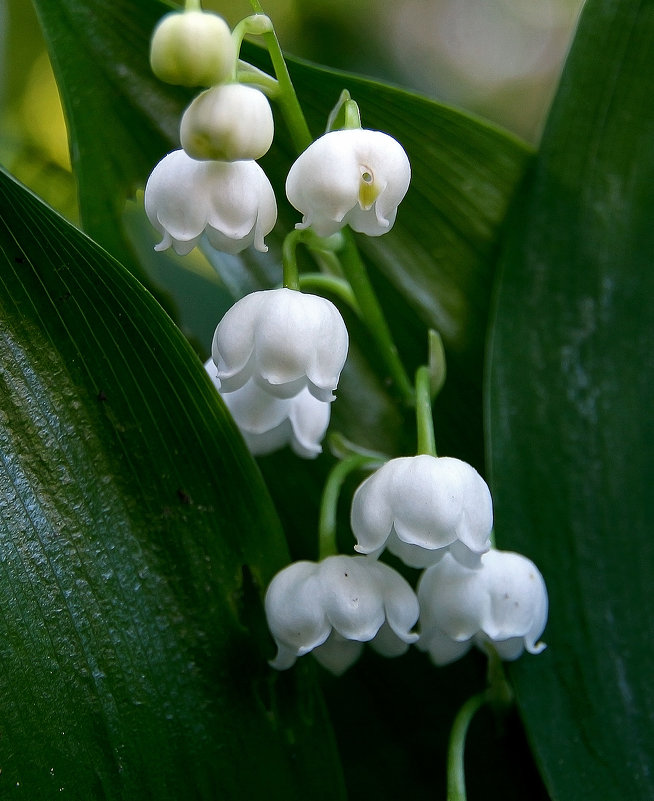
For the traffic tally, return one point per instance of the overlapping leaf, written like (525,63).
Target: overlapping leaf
(136,536)
(571,425)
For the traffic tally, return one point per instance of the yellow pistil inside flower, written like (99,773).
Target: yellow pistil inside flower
(368,190)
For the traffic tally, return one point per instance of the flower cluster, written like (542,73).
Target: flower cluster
(427,511)
(277,356)
(276,359)
(213,184)
(333,606)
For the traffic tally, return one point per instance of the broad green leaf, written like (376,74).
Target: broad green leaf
(434,269)
(571,425)
(136,538)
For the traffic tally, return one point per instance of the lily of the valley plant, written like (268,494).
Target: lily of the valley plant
(277,356)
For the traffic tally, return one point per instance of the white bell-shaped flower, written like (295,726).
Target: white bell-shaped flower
(420,507)
(192,48)
(232,202)
(285,340)
(502,603)
(231,122)
(268,423)
(331,607)
(352,177)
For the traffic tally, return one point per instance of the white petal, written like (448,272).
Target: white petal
(302,340)
(414,555)
(503,602)
(429,502)
(239,196)
(255,410)
(174,201)
(337,654)
(453,600)
(371,514)
(228,122)
(400,602)
(234,202)
(287,340)
(325,182)
(441,648)
(268,423)
(285,657)
(351,593)
(294,609)
(234,340)
(309,419)
(507,649)
(518,598)
(369,222)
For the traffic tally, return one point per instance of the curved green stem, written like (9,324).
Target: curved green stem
(424,416)
(329,505)
(332,285)
(192,5)
(248,73)
(286,99)
(355,272)
(343,448)
(289,259)
(456,780)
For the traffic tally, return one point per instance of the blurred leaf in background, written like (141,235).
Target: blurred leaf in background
(571,428)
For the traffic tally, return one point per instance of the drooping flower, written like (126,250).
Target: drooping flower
(285,340)
(354,177)
(502,603)
(331,607)
(230,122)
(269,423)
(192,48)
(420,507)
(233,202)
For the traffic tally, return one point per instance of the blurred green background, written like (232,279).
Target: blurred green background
(498,58)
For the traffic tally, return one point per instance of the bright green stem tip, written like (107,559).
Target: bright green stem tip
(424,417)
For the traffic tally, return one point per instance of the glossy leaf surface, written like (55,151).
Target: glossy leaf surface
(571,425)
(136,537)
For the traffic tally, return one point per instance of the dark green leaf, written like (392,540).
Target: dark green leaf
(571,425)
(136,537)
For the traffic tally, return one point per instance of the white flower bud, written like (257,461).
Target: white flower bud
(352,177)
(422,506)
(269,423)
(228,123)
(285,340)
(502,603)
(192,48)
(334,604)
(233,202)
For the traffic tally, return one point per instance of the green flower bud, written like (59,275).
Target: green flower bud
(192,48)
